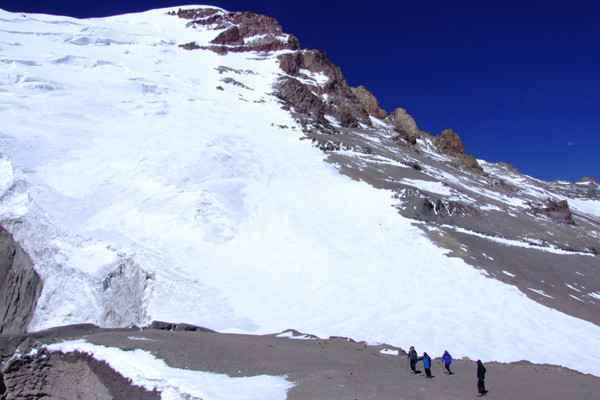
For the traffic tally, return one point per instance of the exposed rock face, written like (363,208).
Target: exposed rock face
(66,376)
(20,286)
(369,102)
(404,124)
(313,61)
(450,143)
(231,36)
(588,179)
(244,31)
(558,210)
(421,206)
(169,326)
(341,102)
(196,14)
(299,96)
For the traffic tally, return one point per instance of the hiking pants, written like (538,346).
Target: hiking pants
(481,386)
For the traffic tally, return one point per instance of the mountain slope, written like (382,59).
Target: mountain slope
(196,166)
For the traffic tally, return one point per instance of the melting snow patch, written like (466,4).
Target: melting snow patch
(174,383)
(576,298)
(390,351)
(140,338)
(509,274)
(541,292)
(433,187)
(572,287)
(291,334)
(595,295)
(490,207)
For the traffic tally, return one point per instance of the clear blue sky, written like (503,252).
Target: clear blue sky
(519,81)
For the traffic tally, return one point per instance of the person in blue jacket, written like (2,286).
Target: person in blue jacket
(447,360)
(426,364)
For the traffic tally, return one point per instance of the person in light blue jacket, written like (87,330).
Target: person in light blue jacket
(426,364)
(447,360)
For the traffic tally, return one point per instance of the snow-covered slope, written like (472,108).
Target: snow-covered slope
(150,182)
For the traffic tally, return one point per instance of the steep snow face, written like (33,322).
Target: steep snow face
(149,182)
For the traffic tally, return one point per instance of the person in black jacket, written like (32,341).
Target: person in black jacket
(480,379)
(412,357)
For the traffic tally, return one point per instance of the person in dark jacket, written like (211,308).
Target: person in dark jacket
(413,357)
(426,364)
(480,379)
(447,360)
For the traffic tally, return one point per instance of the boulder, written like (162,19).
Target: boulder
(450,144)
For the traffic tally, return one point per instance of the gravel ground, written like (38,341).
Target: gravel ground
(338,368)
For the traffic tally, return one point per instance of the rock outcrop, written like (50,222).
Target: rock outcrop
(341,103)
(557,210)
(404,124)
(20,286)
(450,144)
(241,31)
(369,102)
(43,374)
(420,206)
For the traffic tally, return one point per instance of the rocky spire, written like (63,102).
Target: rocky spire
(369,102)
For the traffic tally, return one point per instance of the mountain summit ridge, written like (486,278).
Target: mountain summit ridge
(219,175)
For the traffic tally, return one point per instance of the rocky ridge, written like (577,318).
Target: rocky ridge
(240,31)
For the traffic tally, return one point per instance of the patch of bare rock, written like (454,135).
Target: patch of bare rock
(241,31)
(20,285)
